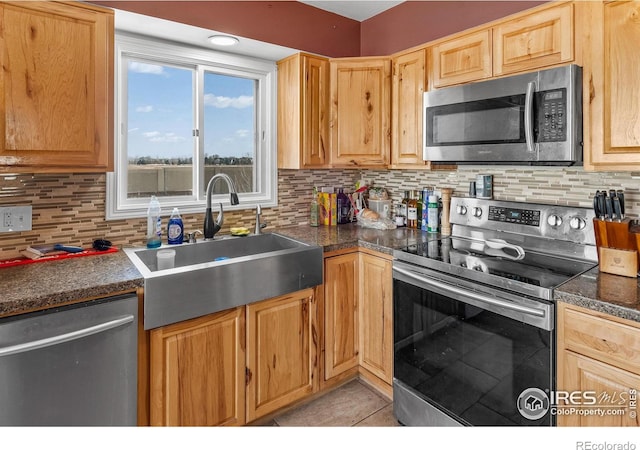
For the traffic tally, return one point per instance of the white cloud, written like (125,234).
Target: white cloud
(242,133)
(219,101)
(133,129)
(144,109)
(139,67)
(228,139)
(156,136)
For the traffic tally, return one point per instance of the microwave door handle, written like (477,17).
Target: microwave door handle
(528,116)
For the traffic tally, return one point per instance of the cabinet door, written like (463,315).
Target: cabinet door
(541,39)
(303,112)
(612,387)
(56,112)
(461,60)
(406,109)
(611,89)
(198,371)
(360,112)
(281,352)
(375,314)
(341,313)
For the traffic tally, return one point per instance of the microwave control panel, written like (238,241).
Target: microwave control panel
(552,120)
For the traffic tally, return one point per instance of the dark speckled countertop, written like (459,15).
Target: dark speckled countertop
(610,294)
(43,285)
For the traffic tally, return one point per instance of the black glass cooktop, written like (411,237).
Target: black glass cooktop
(494,258)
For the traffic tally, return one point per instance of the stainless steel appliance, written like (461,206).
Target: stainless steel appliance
(474,313)
(533,118)
(71,366)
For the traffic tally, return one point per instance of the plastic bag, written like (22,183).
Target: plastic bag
(379,223)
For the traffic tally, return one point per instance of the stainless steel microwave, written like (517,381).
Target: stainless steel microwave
(533,118)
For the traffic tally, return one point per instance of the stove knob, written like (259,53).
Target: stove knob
(577,223)
(476,211)
(461,209)
(554,221)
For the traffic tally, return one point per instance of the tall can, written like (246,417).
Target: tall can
(424,223)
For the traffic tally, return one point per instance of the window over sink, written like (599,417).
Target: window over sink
(184,114)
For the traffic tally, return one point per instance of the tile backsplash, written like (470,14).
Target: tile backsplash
(69,208)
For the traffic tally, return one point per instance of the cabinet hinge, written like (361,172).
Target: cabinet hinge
(247,376)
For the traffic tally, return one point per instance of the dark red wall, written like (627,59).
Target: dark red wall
(288,23)
(296,25)
(415,22)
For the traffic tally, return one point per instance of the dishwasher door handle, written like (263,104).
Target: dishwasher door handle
(66,337)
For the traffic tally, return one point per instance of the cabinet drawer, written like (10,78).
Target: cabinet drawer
(605,340)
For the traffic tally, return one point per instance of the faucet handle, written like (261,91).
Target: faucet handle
(191,237)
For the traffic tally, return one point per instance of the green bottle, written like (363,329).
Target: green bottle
(314,209)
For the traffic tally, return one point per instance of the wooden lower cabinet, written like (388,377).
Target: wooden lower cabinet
(341,275)
(282,361)
(198,371)
(598,357)
(376,317)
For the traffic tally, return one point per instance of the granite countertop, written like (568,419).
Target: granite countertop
(611,294)
(43,285)
(47,284)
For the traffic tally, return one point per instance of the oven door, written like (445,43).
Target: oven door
(467,354)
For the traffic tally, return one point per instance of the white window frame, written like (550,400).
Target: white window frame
(118,206)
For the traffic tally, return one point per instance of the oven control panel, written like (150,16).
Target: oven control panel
(514,215)
(569,223)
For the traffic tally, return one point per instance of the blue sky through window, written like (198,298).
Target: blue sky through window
(161,113)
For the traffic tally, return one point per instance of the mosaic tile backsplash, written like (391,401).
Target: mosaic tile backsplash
(69,208)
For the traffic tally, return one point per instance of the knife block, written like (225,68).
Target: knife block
(617,247)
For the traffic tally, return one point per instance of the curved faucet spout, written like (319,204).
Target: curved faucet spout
(211,227)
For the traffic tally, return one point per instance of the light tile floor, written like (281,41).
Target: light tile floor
(353,404)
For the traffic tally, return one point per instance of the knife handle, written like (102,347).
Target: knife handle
(617,210)
(620,195)
(608,208)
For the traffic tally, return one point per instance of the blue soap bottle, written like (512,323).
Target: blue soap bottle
(175,228)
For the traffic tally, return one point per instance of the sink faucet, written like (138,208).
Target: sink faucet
(211,227)
(259,226)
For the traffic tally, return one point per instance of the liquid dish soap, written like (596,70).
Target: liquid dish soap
(154,224)
(175,228)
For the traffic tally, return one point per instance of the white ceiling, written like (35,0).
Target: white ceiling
(358,9)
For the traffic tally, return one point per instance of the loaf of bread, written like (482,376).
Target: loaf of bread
(369,214)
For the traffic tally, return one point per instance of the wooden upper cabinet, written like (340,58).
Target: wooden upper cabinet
(282,352)
(198,371)
(530,42)
(303,112)
(56,111)
(611,87)
(360,112)
(408,86)
(462,59)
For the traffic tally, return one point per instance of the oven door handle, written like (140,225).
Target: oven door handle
(476,295)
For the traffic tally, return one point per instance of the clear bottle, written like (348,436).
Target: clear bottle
(175,228)
(154,224)
(426,192)
(433,214)
(403,211)
(314,209)
(412,210)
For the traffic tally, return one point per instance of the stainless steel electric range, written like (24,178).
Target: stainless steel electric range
(474,317)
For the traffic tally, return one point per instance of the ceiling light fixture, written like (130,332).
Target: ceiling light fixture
(223,40)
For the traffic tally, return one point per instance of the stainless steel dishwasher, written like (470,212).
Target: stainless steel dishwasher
(71,366)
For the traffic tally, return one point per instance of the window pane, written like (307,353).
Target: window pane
(230,130)
(160,124)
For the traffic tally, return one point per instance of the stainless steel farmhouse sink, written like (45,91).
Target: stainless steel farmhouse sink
(215,275)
